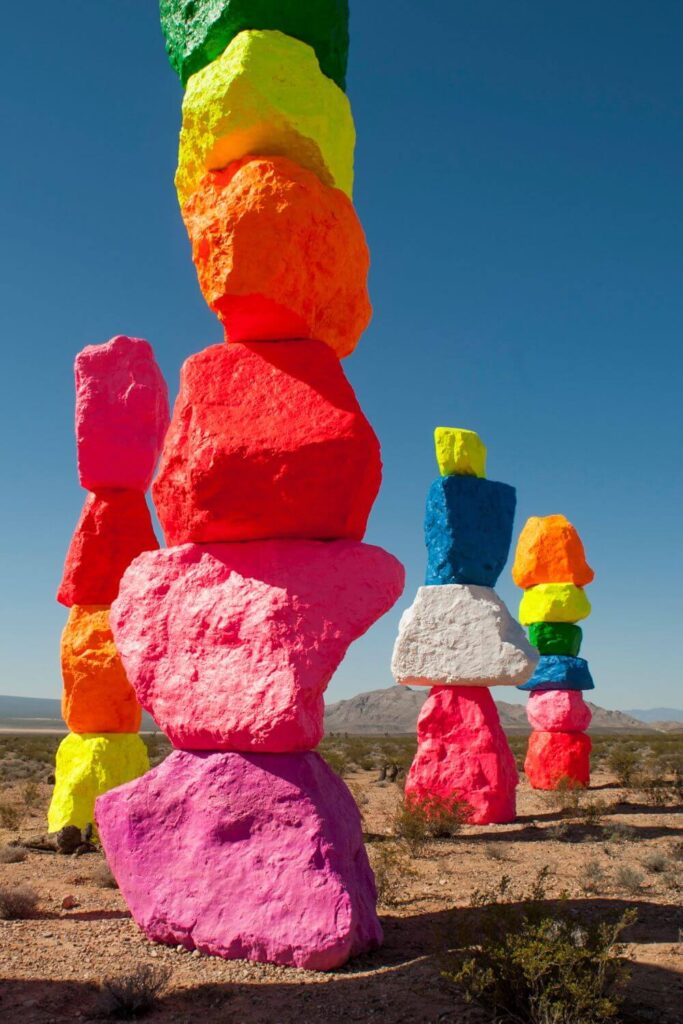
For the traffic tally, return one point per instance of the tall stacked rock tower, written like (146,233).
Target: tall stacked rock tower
(121,418)
(459,638)
(550,564)
(244,843)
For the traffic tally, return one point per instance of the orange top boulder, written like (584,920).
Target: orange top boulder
(550,550)
(279,255)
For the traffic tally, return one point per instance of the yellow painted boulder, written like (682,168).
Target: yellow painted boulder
(265,96)
(554,602)
(88,766)
(460,452)
(97,697)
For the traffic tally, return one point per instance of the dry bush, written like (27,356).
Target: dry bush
(103,878)
(497,851)
(593,878)
(566,797)
(12,855)
(16,902)
(657,862)
(392,867)
(628,879)
(132,995)
(624,761)
(619,833)
(10,816)
(417,823)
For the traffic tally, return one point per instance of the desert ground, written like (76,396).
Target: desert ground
(597,854)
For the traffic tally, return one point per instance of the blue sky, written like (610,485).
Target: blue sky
(518,171)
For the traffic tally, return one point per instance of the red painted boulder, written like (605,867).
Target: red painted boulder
(558,711)
(121,414)
(556,757)
(267,441)
(247,857)
(231,646)
(115,527)
(463,754)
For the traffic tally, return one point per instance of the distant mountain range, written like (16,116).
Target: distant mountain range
(393,710)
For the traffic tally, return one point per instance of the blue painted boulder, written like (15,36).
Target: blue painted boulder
(468,530)
(559,672)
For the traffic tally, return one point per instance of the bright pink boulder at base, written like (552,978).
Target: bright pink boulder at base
(463,753)
(114,528)
(122,414)
(231,646)
(558,711)
(555,757)
(256,857)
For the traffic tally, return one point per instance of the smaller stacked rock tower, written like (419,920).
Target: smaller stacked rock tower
(550,564)
(459,638)
(121,418)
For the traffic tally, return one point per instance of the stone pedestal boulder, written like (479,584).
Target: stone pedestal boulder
(463,753)
(558,711)
(249,857)
(247,636)
(267,441)
(558,757)
(559,672)
(549,550)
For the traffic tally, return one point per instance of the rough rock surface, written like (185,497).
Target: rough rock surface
(281,838)
(549,550)
(238,653)
(556,638)
(88,766)
(554,757)
(114,528)
(463,753)
(121,414)
(558,672)
(97,696)
(197,31)
(459,452)
(267,440)
(558,711)
(265,96)
(279,255)
(468,530)
(554,602)
(460,636)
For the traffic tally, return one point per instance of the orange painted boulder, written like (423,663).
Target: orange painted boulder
(279,254)
(555,757)
(115,527)
(266,441)
(549,550)
(97,696)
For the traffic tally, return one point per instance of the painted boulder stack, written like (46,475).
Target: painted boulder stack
(459,638)
(550,564)
(121,418)
(243,843)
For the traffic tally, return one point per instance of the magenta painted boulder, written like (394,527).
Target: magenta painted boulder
(558,711)
(463,753)
(122,414)
(249,857)
(231,646)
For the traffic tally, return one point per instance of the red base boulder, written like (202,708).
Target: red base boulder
(463,754)
(556,757)
(115,527)
(267,441)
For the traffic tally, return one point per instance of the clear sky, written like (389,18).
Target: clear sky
(519,171)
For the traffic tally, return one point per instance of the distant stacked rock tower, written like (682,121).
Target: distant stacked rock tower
(459,638)
(121,418)
(550,564)
(243,843)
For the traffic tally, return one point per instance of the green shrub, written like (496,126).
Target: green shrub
(391,865)
(624,761)
(417,822)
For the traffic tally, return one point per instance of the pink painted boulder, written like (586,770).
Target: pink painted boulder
(256,857)
(554,758)
(122,414)
(558,711)
(231,646)
(463,753)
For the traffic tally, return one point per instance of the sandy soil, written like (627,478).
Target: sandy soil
(51,965)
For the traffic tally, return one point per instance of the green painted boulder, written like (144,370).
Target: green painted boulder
(197,31)
(563,638)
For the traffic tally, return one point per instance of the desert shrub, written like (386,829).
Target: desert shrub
(132,995)
(566,797)
(530,962)
(593,878)
(416,823)
(337,760)
(628,879)
(658,863)
(12,855)
(591,812)
(619,833)
(17,902)
(10,816)
(30,796)
(391,865)
(497,851)
(676,850)
(624,761)
(103,878)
